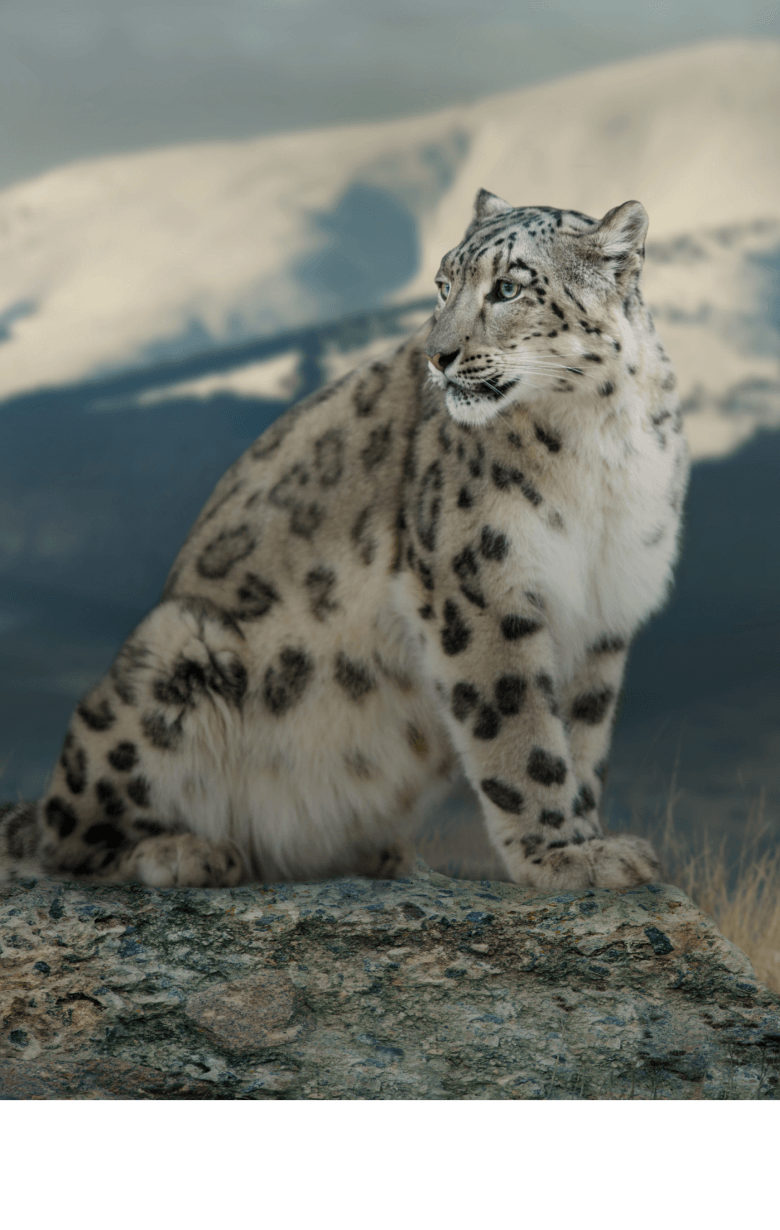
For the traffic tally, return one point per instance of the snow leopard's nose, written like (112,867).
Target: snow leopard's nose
(443,360)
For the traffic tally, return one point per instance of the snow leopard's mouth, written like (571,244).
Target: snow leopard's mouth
(477,403)
(483,391)
(471,403)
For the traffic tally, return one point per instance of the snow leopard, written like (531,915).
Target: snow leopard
(434,564)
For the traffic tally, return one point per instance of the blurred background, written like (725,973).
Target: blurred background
(208,209)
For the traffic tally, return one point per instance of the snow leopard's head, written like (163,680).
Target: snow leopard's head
(536,302)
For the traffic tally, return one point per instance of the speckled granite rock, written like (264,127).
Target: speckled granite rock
(418,988)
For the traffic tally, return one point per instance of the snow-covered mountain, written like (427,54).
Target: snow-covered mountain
(122,261)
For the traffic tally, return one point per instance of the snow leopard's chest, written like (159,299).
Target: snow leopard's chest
(600,551)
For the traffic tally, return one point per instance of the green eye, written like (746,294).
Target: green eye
(444,289)
(508,290)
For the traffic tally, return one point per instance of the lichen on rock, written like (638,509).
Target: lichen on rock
(422,987)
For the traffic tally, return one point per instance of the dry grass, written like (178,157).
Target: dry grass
(741,894)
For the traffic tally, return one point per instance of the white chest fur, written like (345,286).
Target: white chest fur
(602,555)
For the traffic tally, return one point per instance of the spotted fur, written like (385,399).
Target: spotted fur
(439,559)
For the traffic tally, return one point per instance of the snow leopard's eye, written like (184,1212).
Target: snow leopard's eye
(444,289)
(508,290)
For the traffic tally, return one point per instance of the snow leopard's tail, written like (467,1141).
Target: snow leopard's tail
(19,841)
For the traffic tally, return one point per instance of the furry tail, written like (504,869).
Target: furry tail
(19,841)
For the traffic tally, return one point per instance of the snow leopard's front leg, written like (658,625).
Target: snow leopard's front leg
(588,703)
(502,709)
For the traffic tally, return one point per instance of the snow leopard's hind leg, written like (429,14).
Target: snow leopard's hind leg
(19,841)
(142,788)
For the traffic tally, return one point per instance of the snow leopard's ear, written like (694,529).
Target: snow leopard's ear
(486,206)
(618,240)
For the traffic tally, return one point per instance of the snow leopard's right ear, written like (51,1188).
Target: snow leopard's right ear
(486,206)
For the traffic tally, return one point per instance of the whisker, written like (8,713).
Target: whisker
(534,363)
(530,383)
(549,370)
(513,373)
(550,356)
(496,389)
(524,362)
(491,386)
(523,369)
(538,366)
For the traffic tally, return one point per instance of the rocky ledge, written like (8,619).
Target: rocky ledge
(424,987)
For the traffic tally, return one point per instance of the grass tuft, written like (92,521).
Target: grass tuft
(741,892)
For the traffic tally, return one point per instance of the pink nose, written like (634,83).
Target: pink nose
(441,361)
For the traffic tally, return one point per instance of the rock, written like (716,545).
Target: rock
(423,987)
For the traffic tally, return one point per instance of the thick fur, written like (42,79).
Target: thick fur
(440,558)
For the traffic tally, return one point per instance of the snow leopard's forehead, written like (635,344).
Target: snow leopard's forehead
(515,235)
